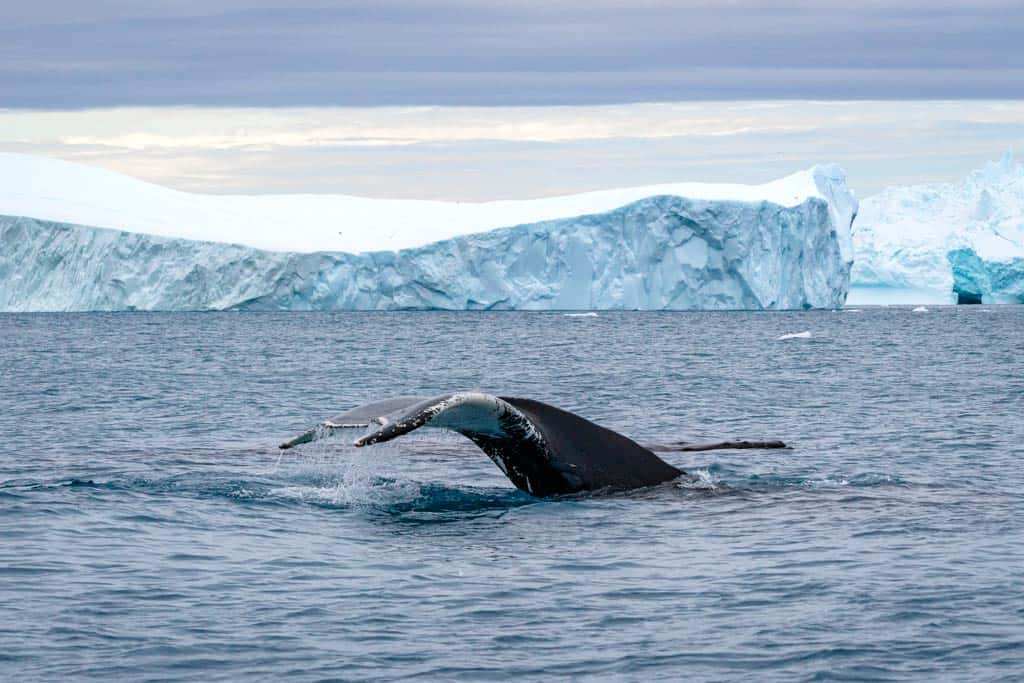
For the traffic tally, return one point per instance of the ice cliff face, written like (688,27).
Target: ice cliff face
(661,252)
(945,242)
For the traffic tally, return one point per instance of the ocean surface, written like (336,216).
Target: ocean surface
(150,529)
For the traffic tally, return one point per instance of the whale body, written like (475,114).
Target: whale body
(543,450)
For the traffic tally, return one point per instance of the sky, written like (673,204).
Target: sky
(471,100)
(73,54)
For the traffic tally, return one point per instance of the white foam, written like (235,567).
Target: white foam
(701,480)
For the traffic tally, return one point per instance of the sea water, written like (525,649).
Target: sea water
(151,529)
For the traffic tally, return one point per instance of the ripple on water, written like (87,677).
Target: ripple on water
(159,533)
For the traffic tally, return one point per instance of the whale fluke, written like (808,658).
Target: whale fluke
(543,450)
(360,416)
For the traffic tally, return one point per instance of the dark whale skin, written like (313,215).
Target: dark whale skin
(543,450)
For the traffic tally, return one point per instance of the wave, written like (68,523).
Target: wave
(361,489)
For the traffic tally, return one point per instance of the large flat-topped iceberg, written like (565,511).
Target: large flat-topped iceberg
(660,251)
(60,191)
(945,242)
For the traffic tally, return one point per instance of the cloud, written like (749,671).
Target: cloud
(224,129)
(476,153)
(64,54)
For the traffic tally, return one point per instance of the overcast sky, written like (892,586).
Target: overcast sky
(468,99)
(75,54)
(476,153)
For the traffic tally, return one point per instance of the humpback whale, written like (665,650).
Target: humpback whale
(543,450)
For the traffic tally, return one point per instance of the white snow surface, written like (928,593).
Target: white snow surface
(61,191)
(922,243)
(783,245)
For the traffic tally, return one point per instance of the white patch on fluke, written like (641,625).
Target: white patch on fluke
(795,335)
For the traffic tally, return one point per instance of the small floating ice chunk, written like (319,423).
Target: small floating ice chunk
(853,310)
(590,314)
(796,335)
(920,309)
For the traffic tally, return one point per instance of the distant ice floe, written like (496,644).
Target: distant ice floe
(795,335)
(589,314)
(943,243)
(920,309)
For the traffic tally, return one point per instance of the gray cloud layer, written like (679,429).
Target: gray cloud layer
(69,54)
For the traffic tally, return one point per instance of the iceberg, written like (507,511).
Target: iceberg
(782,245)
(943,243)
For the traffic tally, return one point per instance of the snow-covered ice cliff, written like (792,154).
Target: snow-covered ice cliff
(784,244)
(943,243)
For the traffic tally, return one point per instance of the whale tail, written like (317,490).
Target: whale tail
(543,450)
(359,417)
